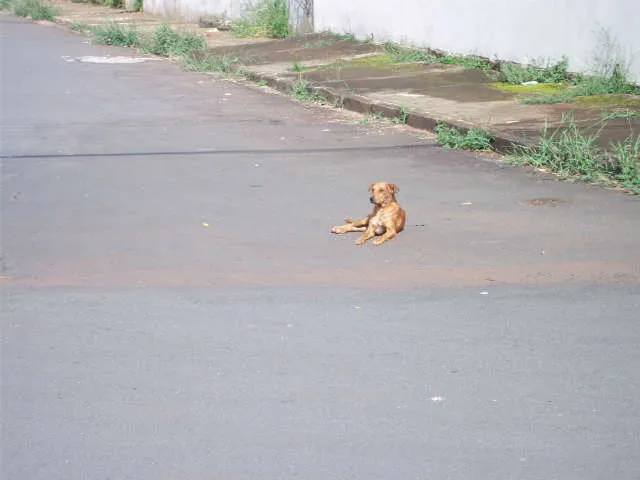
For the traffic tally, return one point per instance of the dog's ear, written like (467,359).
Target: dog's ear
(393,188)
(371,187)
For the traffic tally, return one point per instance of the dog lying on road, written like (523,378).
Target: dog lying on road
(386,220)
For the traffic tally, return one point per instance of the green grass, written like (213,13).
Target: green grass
(402,118)
(472,139)
(516,74)
(167,42)
(196,62)
(34,9)
(400,54)
(296,67)
(573,152)
(115,34)
(301,90)
(624,114)
(471,62)
(263,18)
(615,83)
(138,5)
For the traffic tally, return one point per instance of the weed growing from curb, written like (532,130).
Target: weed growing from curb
(403,116)
(34,9)
(115,34)
(472,139)
(624,114)
(296,67)
(169,43)
(195,62)
(301,90)
(573,152)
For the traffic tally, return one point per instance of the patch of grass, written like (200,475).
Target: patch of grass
(262,83)
(34,9)
(79,27)
(169,43)
(551,73)
(301,90)
(399,54)
(472,139)
(263,18)
(296,67)
(471,62)
(113,3)
(624,114)
(348,37)
(115,34)
(573,152)
(615,83)
(138,5)
(196,62)
(402,118)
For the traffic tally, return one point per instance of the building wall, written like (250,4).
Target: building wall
(193,9)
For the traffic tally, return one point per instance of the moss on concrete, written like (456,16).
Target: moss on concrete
(539,88)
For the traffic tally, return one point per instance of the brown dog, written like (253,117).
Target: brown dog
(386,220)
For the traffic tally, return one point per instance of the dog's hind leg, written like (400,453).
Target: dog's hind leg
(386,236)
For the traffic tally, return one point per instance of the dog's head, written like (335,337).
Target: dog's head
(383,193)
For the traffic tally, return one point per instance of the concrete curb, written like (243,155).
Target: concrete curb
(502,143)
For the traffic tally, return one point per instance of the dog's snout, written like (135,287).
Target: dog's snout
(371,199)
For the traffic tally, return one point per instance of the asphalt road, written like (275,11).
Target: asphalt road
(174,306)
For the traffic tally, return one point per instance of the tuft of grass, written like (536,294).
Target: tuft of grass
(624,114)
(194,62)
(348,37)
(573,152)
(296,67)
(302,91)
(169,43)
(402,118)
(262,83)
(34,9)
(551,73)
(615,83)
(79,27)
(263,18)
(400,54)
(138,5)
(115,34)
(471,62)
(472,139)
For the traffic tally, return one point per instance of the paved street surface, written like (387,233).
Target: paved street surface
(174,306)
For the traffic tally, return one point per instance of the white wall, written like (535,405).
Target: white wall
(517,30)
(193,9)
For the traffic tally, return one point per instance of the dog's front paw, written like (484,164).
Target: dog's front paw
(378,241)
(336,230)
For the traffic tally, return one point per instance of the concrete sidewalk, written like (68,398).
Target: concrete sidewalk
(361,76)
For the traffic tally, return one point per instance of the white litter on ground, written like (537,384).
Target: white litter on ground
(90,59)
